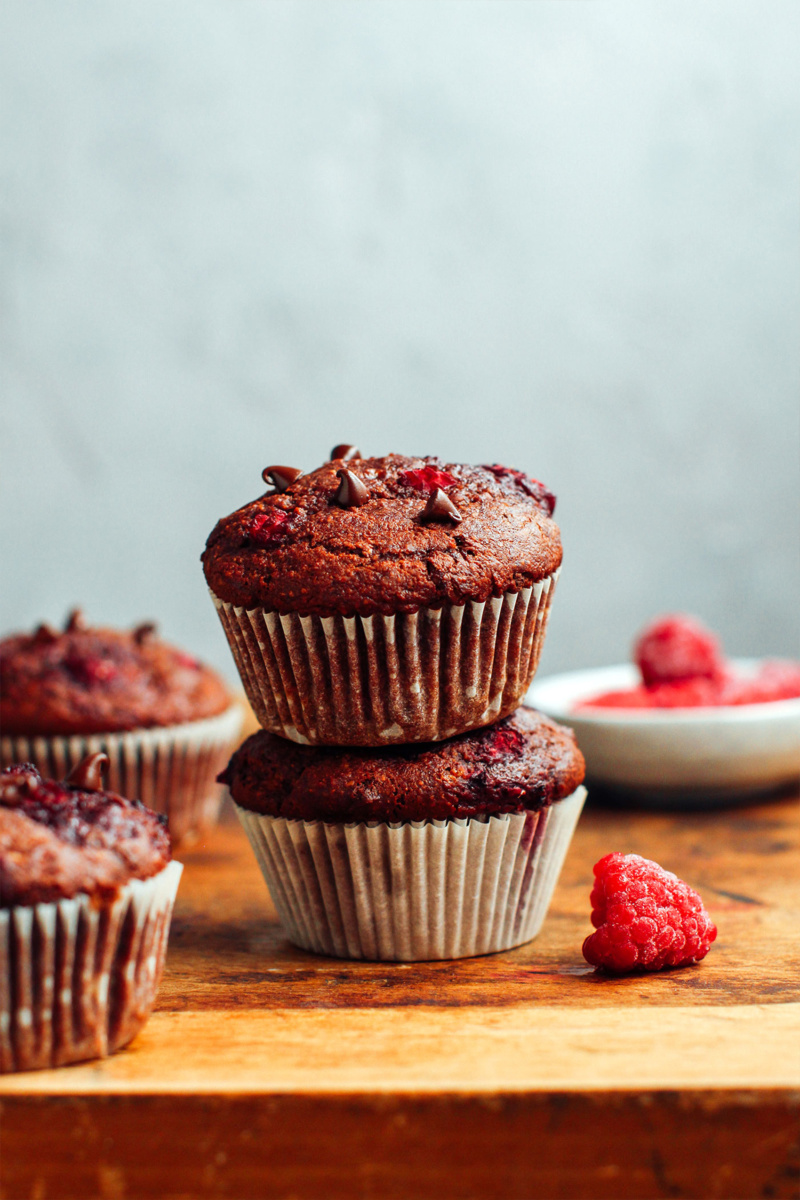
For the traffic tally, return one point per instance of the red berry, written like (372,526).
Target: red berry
(677,647)
(267,528)
(501,743)
(89,669)
(187,661)
(426,479)
(543,497)
(775,680)
(645,918)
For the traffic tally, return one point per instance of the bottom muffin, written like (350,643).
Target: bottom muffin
(86,895)
(416,852)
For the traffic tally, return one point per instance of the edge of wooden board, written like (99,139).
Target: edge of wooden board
(436,1051)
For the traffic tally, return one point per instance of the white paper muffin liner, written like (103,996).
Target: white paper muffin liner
(379,680)
(78,979)
(417,890)
(172,770)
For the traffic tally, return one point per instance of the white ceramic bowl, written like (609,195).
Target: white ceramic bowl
(680,755)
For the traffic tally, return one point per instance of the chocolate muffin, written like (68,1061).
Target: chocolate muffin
(86,893)
(414,852)
(385,600)
(166,722)
(524,762)
(82,681)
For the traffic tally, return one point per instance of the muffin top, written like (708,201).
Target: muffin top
(525,761)
(59,839)
(84,681)
(379,535)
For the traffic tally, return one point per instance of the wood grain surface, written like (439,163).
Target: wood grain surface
(440,1050)
(269,1072)
(227,949)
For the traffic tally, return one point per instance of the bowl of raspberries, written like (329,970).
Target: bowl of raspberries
(683,725)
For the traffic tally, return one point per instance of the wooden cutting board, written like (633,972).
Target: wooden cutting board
(269,1072)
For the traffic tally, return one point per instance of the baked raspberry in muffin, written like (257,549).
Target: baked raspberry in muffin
(166,722)
(413,852)
(86,893)
(384,600)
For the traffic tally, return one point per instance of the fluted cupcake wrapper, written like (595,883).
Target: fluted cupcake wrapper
(418,890)
(380,680)
(77,978)
(172,770)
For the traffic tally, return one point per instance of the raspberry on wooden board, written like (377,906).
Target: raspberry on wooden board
(645,918)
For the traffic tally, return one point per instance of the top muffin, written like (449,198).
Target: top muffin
(360,536)
(84,681)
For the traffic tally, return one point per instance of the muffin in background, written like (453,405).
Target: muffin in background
(166,722)
(378,601)
(87,887)
(417,852)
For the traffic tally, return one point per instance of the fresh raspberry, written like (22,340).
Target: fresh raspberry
(775,680)
(427,479)
(543,497)
(679,693)
(645,918)
(677,647)
(267,528)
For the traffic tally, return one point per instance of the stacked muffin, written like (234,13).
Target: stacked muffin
(397,606)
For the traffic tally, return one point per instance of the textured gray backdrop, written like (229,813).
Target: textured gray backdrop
(558,235)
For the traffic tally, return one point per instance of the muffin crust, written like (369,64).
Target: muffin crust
(84,681)
(427,534)
(57,840)
(524,762)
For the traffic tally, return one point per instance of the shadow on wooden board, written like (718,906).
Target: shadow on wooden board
(600,1146)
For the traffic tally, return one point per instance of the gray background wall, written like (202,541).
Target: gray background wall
(558,235)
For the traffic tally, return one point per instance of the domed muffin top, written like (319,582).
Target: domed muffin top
(525,761)
(59,839)
(381,535)
(83,681)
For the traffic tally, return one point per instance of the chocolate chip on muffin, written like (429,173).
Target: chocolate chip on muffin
(87,680)
(387,600)
(59,839)
(308,547)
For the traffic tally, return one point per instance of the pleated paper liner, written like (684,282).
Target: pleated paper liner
(418,890)
(78,979)
(380,680)
(172,770)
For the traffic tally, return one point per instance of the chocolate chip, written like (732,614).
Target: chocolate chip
(18,783)
(440,508)
(45,634)
(74,621)
(142,632)
(345,452)
(351,493)
(280,477)
(89,772)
